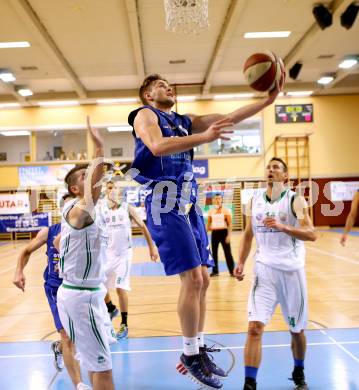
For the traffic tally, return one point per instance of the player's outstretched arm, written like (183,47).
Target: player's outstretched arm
(201,123)
(40,239)
(151,246)
(305,231)
(350,221)
(244,249)
(83,213)
(146,128)
(94,172)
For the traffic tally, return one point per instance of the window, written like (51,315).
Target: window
(246,139)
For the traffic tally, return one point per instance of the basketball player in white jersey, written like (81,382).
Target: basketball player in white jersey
(81,296)
(280,222)
(116,217)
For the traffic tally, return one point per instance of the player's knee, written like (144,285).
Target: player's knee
(255,329)
(205,281)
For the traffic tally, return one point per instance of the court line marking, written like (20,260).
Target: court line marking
(333,342)
(344,258)
(338,344)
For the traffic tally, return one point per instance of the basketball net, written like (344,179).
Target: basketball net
(186,16)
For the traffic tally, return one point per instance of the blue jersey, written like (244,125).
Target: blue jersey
(171,167)
(51,274)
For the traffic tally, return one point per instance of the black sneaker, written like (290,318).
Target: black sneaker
(214,274)
(209,362)
(299,379)
(250,384)
(197,371)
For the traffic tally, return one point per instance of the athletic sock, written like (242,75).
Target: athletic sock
(124,318)
(190,346)
(250,373)
(110,307)
(299,363)
(200,338)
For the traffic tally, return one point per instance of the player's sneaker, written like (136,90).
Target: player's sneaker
(58,358)
(114,313)
(123,332)
(209,362)
(198,372)
(83,386)
(299,379)
(250,386)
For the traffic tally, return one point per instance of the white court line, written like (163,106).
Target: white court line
(333,342)
(344,258)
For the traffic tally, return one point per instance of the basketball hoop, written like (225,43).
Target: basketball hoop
(186,16)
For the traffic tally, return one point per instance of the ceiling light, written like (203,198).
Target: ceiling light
(117,100)
(268,34)
(324,80)
(15,133)
(113,129)
(186,98)
(348,63)
(12,45)
(59,103)
(228,96)
(23,91)
(323,16)
(299,93)
(9,105)
(6,76)
(348,17)
(295,70)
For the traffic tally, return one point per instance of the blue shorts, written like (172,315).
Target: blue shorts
(181,240)
(51,293)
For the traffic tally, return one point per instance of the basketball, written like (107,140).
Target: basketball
(262,70)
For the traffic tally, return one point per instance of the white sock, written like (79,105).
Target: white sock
(200,338)
(190,346)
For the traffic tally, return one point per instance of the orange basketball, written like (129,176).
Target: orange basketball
(262,70)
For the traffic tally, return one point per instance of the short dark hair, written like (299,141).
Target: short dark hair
(147,84)
(285,167)
(67,195)
(218,194)
(64,197)
(70,178)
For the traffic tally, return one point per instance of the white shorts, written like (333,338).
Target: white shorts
(84,316)
(118,270)
(272,286)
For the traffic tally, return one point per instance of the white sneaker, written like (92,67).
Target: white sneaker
(83,386)
(58,358)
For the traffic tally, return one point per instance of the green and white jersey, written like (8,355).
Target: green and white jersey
(274,248)
(82,252)
(117,224)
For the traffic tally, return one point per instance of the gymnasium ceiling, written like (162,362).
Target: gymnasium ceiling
(90,49)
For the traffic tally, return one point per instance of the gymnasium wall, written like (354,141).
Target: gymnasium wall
(333,145)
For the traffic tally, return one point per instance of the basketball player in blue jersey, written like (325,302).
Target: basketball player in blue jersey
(64,350)
(164,142)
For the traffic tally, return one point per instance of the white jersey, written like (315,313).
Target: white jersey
(117,224)
(274,248)
(81,253)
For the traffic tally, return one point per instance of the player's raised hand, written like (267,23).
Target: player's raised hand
(94,134)
(238,271)
(218,130)
(19,280)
